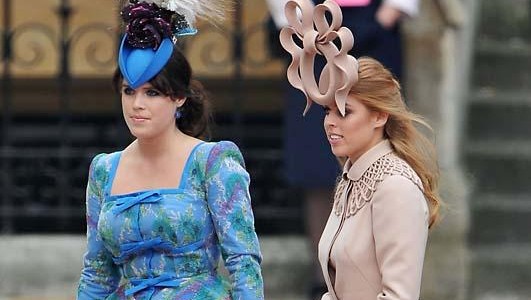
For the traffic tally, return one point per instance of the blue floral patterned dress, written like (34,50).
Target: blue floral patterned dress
(167,243)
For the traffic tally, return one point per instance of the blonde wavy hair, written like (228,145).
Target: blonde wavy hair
(379,91)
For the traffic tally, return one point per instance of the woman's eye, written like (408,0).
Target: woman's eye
(152,93)
(326,110)
(128,90)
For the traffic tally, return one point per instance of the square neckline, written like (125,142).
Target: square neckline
(115,161)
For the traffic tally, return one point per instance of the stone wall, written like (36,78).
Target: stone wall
(438,55)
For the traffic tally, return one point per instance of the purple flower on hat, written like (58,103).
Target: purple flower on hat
(147,24)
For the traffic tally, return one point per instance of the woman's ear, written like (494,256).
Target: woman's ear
(380,119)
(180,101)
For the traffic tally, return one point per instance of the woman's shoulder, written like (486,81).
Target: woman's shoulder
(223,146)
(399,186)
(402,192)
(214,151)
(391,165)
(102,162)
(385,172)
(104,158)
(215,155)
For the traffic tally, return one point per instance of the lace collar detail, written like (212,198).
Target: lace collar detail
(357,193)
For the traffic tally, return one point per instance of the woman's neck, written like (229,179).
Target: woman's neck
(161,146)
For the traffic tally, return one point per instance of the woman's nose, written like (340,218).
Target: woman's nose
(138,101)
(329,120)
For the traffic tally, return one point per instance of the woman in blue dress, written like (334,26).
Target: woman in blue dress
(163,212)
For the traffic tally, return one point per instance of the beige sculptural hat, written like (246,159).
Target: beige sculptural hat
(309,24)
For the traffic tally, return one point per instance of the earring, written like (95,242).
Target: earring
(178,114)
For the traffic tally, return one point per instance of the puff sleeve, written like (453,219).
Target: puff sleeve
(99,276)
(227,185)
(400,228)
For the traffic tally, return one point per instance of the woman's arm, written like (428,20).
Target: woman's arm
(406,7)
(400,228)
(99,276)
(230,205)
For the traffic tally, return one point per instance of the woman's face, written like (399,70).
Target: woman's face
(355,133)
(147,112)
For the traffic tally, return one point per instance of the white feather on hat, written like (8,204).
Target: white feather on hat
(190,9)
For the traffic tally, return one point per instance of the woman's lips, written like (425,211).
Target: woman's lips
(334,138)
(139,119)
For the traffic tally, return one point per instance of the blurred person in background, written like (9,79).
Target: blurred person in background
(376,27)
(164,211)
(309,166)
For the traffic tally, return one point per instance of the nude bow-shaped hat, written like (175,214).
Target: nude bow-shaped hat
(312,28)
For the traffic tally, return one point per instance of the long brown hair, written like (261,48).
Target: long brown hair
(380,91)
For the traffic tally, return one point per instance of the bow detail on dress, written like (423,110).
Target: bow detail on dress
(311,27)
(129,249)
(125,203)
(165,280)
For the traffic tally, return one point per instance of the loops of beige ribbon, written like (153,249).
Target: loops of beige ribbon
(317,35)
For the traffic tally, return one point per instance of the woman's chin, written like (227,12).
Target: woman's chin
(337,151)
(139,134)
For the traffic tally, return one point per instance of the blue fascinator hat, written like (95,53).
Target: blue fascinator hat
(139,65)
(148,43)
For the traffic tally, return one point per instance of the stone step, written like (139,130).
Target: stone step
(500,219)
(498,166)
(500,175)
(504,19)
(508,46)
(499,149)
(492,96)
(495,114)
(501,272)
(502,64)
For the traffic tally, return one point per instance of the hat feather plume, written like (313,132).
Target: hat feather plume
(192,9)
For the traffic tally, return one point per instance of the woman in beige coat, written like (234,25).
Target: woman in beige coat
(386,199)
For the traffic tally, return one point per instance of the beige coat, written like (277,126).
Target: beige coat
(373,245)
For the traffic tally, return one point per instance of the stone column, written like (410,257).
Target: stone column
(438,56)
